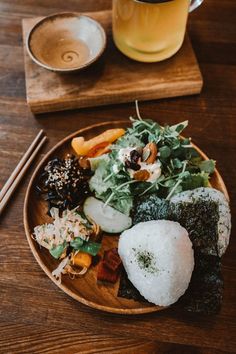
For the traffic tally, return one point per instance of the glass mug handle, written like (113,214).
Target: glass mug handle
(194,4)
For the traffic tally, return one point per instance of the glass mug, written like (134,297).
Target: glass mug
(150,30)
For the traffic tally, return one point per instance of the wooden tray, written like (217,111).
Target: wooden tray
(85,289)
(113,79)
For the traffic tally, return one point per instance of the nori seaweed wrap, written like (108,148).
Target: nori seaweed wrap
(205,214)
(205,292)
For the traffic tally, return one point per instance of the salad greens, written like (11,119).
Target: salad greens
(182,168)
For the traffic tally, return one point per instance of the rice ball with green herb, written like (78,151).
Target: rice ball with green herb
(158,258)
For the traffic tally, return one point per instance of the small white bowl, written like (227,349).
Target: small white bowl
(66,42)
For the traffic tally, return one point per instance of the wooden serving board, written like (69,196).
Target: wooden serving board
(114,78)
(85,289)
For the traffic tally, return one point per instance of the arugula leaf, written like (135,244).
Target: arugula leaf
(179,127)
(207,166)
(95,161)
(96,182)
(177,163)
(177,190)
(124,204)
(193,181)
(165,151)
(169,183)
(128,141)
(197,164)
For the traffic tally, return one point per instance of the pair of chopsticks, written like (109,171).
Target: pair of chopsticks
(16,176)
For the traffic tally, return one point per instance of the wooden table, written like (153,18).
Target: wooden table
(35,316)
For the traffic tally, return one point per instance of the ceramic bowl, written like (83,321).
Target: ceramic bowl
(66,42)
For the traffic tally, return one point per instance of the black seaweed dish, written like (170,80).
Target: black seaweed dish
(64,183)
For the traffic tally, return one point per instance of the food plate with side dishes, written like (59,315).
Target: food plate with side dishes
(123,183)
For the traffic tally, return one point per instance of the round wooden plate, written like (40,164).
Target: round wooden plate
(85,289)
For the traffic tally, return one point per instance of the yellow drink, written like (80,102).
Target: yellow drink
(149,32)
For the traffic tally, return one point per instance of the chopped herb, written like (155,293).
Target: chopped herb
(146,261)
(76,243)
(90,247)
(57,251)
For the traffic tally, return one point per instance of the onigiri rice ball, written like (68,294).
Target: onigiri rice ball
(158,258)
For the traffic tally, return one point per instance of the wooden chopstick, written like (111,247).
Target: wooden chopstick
(21,168)
(20,165)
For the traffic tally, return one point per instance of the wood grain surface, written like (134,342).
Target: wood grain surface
(35,316)
(113,79)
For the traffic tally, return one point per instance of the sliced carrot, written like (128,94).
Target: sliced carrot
(99,149)
(82,259)
(82,147)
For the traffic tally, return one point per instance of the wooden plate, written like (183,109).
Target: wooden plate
(85,289)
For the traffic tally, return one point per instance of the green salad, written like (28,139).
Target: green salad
(148,159)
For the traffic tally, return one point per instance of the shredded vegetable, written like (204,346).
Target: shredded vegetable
(63,230)
(64,237)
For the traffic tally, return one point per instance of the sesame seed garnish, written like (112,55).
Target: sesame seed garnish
(64,182)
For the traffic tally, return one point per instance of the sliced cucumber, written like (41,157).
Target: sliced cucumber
(109,219)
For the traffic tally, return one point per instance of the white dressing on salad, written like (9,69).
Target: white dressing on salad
(124,154)
(154,169)
(115,168)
